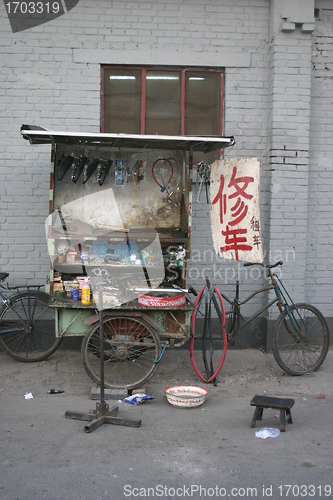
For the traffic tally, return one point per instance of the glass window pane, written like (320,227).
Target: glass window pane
(202,103)
(163,103)
(122,101)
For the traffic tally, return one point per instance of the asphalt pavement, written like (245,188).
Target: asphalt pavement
(205,452)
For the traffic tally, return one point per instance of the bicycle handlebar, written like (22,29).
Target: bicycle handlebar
(278,263)
(269,266)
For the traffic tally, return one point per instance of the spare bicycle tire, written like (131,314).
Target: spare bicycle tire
(156,301)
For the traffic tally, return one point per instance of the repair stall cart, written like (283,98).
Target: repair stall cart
(120,215)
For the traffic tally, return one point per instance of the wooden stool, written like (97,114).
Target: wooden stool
(282,404)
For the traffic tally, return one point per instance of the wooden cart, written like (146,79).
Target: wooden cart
(120,213)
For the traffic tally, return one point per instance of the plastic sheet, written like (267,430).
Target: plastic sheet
(136,399)
(267,432)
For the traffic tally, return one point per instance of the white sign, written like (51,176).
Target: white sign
(235,209)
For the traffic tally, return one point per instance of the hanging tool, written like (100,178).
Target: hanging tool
(77,168)
(203,169)
(103,170)
(89,169)
(135,172)
(64,164)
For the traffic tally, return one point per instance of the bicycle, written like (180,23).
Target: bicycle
(27,324)
(300,339)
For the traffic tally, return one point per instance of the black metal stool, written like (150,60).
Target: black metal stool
(282,404)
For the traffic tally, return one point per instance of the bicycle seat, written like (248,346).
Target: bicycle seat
(3,276)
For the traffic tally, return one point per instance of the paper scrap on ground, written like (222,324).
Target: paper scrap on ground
(267,432)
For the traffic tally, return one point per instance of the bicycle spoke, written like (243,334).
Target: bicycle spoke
(27,327)
(130,352)
(301,339)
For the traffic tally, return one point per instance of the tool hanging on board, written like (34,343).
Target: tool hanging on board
(119,172)
(77,168)
(63,165)
(135,172)
(203,170)
(103,170)
(89,169)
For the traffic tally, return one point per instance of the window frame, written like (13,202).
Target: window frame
(182,70)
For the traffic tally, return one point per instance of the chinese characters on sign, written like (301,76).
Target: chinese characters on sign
(235,211)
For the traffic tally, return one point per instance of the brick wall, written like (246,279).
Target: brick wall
(319,275)
(50,76)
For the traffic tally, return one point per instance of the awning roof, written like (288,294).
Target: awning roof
(38,135)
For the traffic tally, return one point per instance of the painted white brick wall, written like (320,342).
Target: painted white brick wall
(50,76)
(319,275)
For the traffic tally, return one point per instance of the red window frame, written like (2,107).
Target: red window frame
(144,70)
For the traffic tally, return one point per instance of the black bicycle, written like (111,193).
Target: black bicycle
(27,323)
(301,336)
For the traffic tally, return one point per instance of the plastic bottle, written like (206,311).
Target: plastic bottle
(85,293)
(75,290)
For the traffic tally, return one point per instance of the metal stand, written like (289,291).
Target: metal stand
(103,413)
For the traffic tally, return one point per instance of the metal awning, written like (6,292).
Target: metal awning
(38,135)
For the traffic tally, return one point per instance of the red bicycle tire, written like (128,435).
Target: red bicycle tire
(151,301)
(224,335)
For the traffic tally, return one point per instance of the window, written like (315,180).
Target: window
(163,101)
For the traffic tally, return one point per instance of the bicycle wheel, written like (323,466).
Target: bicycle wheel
(301,339)
(208,344)
(131,350)
(27,327)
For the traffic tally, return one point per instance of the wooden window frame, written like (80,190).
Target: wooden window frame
(144,70)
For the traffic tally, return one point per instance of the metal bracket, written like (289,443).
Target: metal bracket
(102,415)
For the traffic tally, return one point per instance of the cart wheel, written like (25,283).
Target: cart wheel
(131,350)
(208,345)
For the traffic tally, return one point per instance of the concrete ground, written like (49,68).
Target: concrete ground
(206,452)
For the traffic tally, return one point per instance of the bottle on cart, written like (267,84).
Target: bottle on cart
(75,290)
(85,292)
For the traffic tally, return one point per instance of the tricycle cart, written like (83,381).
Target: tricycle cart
(120,214)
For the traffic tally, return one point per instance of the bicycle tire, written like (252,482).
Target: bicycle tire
(302,350)
(27,327)
(218,339)
(131,352)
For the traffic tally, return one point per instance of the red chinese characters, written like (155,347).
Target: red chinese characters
(233,201)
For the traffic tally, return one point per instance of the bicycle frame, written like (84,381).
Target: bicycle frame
(3,297)
(239,321)
(236,306)
(300,340)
